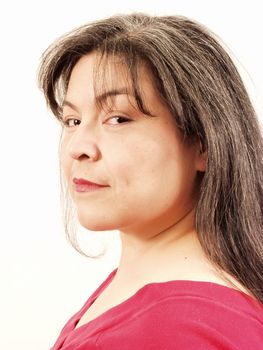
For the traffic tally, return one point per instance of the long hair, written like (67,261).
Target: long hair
(202,88)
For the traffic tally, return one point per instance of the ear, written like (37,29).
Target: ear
(201,158)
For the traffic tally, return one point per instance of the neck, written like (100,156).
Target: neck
(158,252)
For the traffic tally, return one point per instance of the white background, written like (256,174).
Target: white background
(43,280)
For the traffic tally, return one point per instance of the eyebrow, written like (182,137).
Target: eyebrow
(100,98)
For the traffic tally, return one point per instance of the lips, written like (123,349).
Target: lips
(82,185)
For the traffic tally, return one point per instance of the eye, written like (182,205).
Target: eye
(71,122)
(117,120)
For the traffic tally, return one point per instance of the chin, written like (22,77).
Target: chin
(96,224)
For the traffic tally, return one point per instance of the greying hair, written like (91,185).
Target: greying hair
(202,88)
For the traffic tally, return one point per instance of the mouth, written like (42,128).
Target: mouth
(82,185)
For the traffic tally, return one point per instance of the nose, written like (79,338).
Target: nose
(83,146)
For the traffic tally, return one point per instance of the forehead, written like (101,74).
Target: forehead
(110,72)
(103,78)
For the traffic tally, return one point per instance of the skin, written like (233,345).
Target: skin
(150,173)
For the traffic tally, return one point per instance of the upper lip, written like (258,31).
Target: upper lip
(78,181)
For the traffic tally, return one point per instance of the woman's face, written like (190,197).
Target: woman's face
(148,171)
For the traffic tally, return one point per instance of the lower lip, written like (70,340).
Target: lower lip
(88,188)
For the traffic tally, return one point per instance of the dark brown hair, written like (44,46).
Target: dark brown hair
(189,65)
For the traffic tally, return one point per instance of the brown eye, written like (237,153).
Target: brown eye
(118,120)
(71,122)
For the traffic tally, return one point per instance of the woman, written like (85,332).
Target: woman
(160,141)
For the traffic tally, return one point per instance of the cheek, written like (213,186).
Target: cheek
(148,167)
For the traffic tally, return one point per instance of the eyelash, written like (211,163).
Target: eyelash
(66,122)
(125,119)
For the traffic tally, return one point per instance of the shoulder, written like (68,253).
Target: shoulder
(202,313)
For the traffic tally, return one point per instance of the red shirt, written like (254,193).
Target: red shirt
(174,315)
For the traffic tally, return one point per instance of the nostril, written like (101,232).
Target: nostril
(83,156)
(90,152)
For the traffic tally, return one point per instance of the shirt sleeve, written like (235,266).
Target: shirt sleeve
(186,323)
